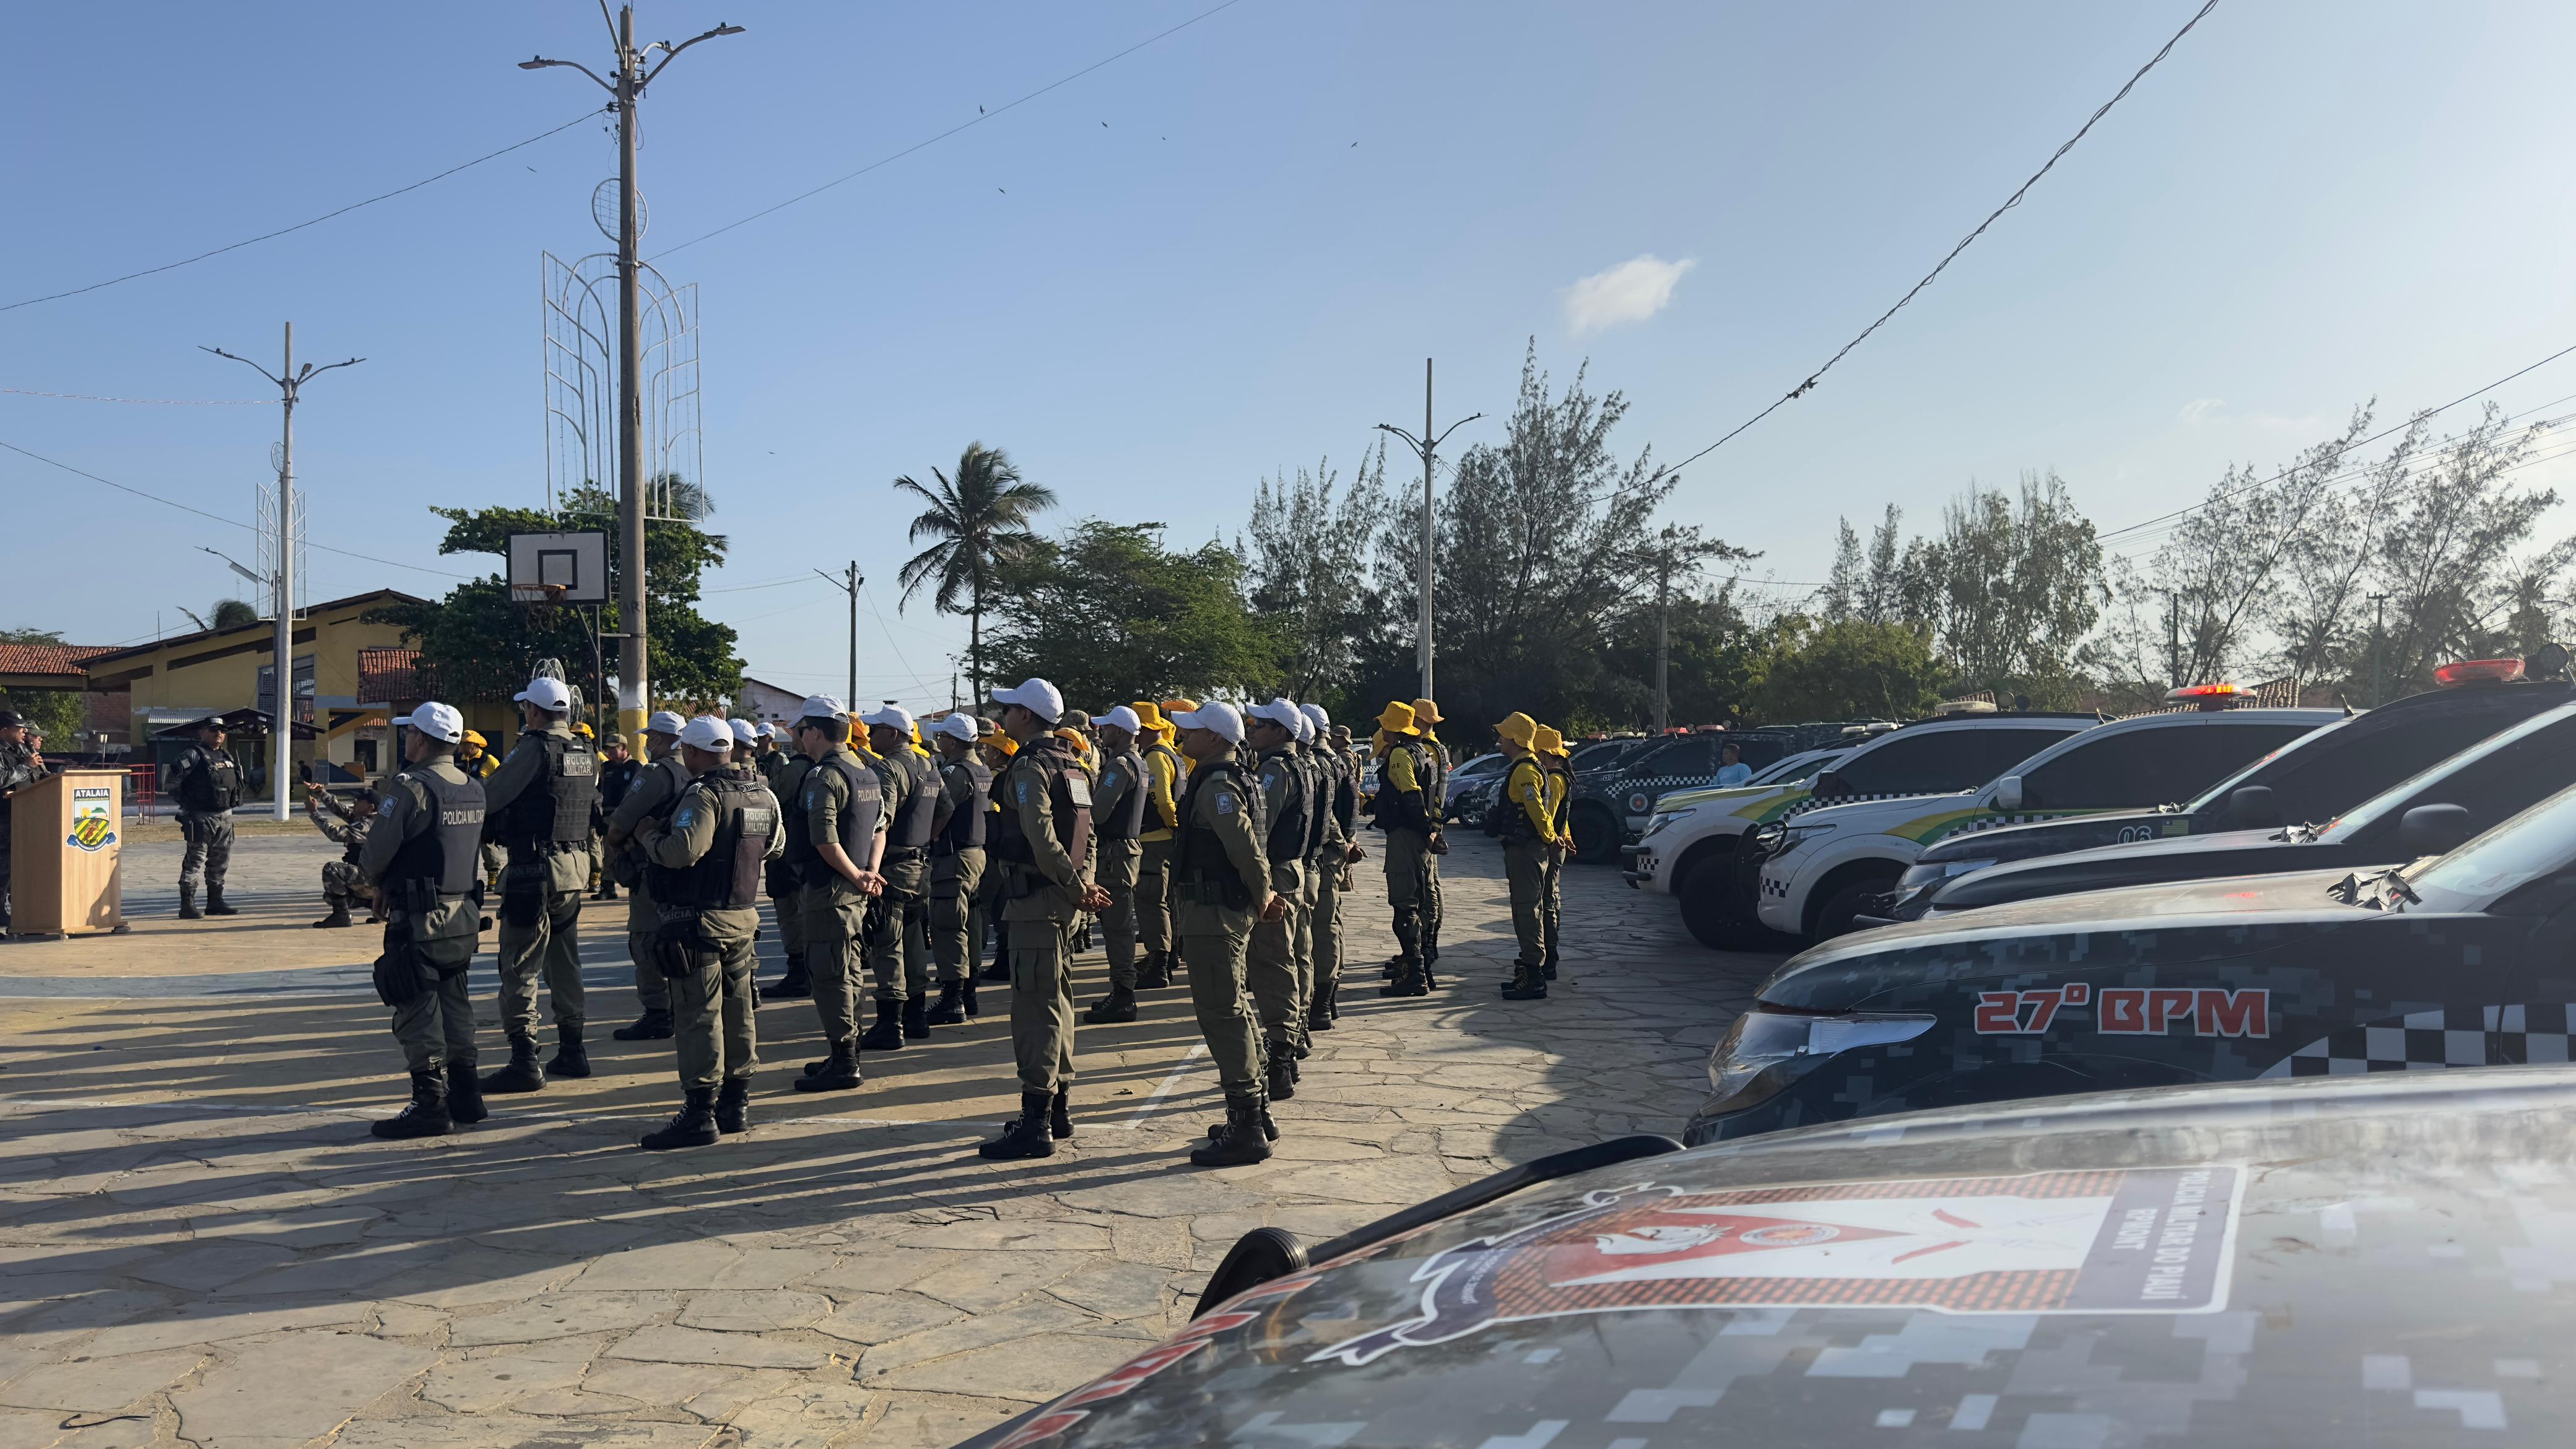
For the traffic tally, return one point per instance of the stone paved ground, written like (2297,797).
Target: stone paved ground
(200,1244)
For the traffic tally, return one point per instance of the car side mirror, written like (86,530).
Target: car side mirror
(2008,793)
(1828,782)
(2251,807)
(2432,829)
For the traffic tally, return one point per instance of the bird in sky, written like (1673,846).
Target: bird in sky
(979,110)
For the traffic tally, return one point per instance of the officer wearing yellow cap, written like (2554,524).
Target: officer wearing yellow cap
(1521,817)
(1404,811)
(1552,754)
(1163,772)
(1426,713)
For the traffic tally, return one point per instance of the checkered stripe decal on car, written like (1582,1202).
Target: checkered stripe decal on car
(2431,1041)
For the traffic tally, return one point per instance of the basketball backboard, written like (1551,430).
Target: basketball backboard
(559,568)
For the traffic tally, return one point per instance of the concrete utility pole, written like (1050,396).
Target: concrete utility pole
(852,583)
(1426,445)
(281,724)
(633,698)
(2378,642)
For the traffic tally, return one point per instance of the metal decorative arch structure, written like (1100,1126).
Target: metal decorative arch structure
(581,385)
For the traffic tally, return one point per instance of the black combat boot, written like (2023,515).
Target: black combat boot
(1282,1075)
(795,985)
(653,1025)
(1409,981)
(1547,968)
(571,1058)
(215,902)
(1060,1114)
(339,915)
(1243,1140)
(966,994)
(838,1072)
(999,973)
(1320,1012)
(1155,971)
(1431,942)
(694,1127)
(887,1034)
(916,1019)
(425,1117)
(1526,985)
(733,1103)
(1269,1129)
(188,904)
(608,890)
(522,1074)
(950,1008)
(464,1095)
(1119,1005)
(1026,1135)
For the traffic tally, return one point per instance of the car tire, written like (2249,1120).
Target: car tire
(1716,913)
(1853,898)
(1596,835)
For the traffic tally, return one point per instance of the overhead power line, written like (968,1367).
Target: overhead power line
(301,225)
(159,402)
(980,118)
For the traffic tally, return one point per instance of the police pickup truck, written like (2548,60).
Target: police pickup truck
(2378,1263)
(2316,777)
(1829,867)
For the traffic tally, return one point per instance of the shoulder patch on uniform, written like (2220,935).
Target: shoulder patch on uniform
(684,817)
(1224,804)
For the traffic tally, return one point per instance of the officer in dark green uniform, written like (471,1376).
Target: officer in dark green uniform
(1337,821)
(538,805)
(785,886)
(207,783)
(423,856)
(706,858)
(957,865)
(835,835)
(1403,808)
(1523,818)
(1117,820)
(1221,893)
(1287,813)
(897,924)
(649,794)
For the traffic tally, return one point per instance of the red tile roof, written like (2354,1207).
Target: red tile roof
(48,658)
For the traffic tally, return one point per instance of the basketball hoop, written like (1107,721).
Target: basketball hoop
(538,593)
(558,568)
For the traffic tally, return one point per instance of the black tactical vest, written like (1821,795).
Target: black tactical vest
(1564,812)
(1198,857)
(728,876)
(214,786)
(911,828)
(1506,816)
(1068,804)
(1346,791)
(1128,816)
(966,827)
(448,854)
(1286,841)
(1319,798)
(857,823)
(555,809)
(1397,810)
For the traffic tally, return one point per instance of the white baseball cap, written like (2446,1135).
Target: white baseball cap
(664,722)
(893,717)
(708,733)
(438,721)
(956,727)
(546,693)
(1036,696)
(1279,712)
(1217,717)
(1120,718)
(822,706)
(1305,726)
(769,729)
(743,733)
(1315,714)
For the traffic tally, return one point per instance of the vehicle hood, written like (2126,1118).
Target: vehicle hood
(1731,795)
(2227,1255)
(1885,811)
(2050,837)
(2180,858)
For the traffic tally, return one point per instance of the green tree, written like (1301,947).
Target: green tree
(1307,562)
(1847,670)
(2008,590)
(979,521)
(228,614)
(58,714)
(1108,615)
(479,645)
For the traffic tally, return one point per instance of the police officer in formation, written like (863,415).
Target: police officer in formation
(1405,806)
(783,771)
(1329,869)
(836,832)
(651,791)
(1526,821)
(957,865)
(1221,893)
(706,858)
(618,772)
(898,924)
(1426,713)
(1560,813)
(422,855)
(538,805)
(207,783)
(1163,772)
(1287,792)
(1117,825)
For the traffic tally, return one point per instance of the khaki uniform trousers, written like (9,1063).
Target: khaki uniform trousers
(1408,873)
(1328,924)
(714,1017)
(835,915)
(550,949)
(1551,899)
(643,918)
(1214,945)
(436,1028)
(1525,871)
(1154,905)
(897,946)
(1115,869)
(1041,927)
(953,918)
(1270,971)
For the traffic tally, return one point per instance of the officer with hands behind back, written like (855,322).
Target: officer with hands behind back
(538,806)
(207,783)
(911,792)
(422,856)
(1117,820)
(654,785)
(705,860)
(957,865)
(1220,889)
(835,837)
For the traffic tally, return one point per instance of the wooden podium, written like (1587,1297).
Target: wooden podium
(66,833)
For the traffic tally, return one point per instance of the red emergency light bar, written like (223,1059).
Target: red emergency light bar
(2478,671)
(2221,695)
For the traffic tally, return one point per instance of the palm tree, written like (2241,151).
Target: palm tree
(978,519)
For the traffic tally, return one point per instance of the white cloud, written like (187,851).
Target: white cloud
(2200,409)
(1632,291)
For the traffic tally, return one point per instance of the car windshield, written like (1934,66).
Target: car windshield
(2362,816)
(1798,768)
(2532,844)
(2220,791)
(1481,766)
(1602,755)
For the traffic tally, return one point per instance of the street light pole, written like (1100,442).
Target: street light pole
(281,723)
(633,698)
(1426,446)
(850,583)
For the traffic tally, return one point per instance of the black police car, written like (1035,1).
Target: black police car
(2457,960)
(2425,815)
(2314,778)
(2282,1263)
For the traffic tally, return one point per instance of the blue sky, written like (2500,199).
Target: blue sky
(2308,205)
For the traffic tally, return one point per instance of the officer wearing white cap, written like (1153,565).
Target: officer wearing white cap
(899,923)
(786,887)
(957,865)
(1340,804)
(1117,823)
(706,857)
(1319,833)
(773,755)
(1287,814)
(1041,847)
(835,837)
(652,794)
(1220,890)
(421,856)
(538,805)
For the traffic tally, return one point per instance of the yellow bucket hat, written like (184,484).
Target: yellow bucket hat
(1549,742)
(1518,728)
(1397,718)
(1426,713)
